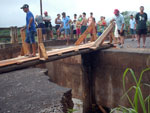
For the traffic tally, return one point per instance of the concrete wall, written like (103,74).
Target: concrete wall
(68,73)
(8,51)
(96,78)
(107,71)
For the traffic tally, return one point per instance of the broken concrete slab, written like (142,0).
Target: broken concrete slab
(30,91)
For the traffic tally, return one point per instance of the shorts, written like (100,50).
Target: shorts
(50,26)
(30,37)
(83,29)
(121,34)
(57,27)
(132,31)
(67,31)
(141,31)
(43,28)
(78,31)
(99,33)
(74,32)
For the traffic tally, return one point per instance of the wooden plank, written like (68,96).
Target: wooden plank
(24,49)
(43,51)
(84,35)
(94,36)
(23,59)
(14,35)
(41,48)
(101,39)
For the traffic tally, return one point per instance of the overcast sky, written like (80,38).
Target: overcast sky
(12,15)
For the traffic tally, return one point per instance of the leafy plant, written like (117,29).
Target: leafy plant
(138,96)
(71,110)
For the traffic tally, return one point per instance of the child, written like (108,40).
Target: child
(74,29)
(78,25)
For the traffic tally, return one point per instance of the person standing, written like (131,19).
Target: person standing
(84,23)
(90,19)
(58,23)
(48,25)
(101,25)
(30,30)
(141,29)
(132,27)
(65,26)
(80,18)
(74,28)
(40,24)
(119,19)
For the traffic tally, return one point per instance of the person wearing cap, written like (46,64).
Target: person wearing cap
(65,26)
(48,24)
(30,30)
(141,28)
(119,19)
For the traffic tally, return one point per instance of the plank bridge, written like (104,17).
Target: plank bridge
(47,56)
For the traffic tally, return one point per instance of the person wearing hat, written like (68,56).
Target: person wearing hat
(48,24)
(119,19)
(30,30)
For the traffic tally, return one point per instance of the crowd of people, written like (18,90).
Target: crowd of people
(65,26)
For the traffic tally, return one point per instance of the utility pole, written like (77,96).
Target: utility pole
(41,7)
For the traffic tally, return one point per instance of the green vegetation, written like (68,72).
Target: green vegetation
(5,36)
(71,110)
(138,96)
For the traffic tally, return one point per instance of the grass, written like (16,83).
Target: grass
(71,110)
(138,95)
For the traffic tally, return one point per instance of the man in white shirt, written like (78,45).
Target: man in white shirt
(132,27)
(48,25)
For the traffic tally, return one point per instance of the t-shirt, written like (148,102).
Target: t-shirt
(119,21)
(29,15)
(66,25)
(132,23)
(74,25)
(102,27)
(39,19)
(141,20)
(47,21)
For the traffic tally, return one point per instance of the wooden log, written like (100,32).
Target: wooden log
(94,37)
(102,109)
(41,49)
(101,39)
(14,35)
(24,49)
(84,35)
